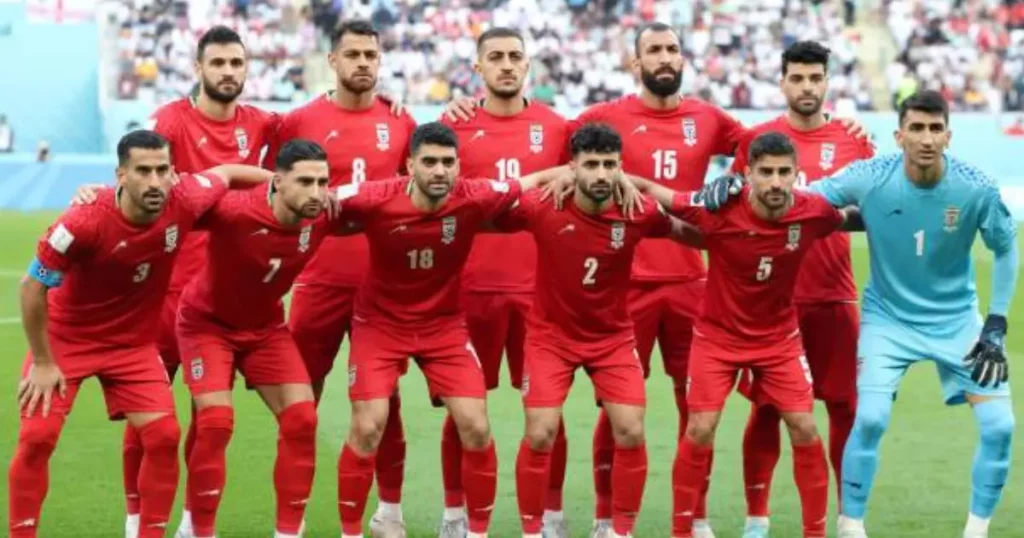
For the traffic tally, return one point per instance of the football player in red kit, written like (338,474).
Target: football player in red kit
(749,320)
(108,265)
(211,129)
(826,293)
(420,230)
(508,137)
(364,141)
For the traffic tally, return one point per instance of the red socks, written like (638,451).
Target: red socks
(533,470)
(355,477)
(207,467)
(131,460)
(391,455)
(629,475)
(158,475)
(28,477)
(701,510)
(559,457)
(451,464)
(840,423)
(689,472)
(762,444)
(604,455)
(296,460)
(811,473)
(480,479)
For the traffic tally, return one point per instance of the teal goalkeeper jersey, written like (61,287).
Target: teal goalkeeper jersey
(919,240)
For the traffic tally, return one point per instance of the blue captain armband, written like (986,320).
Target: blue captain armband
(46,277)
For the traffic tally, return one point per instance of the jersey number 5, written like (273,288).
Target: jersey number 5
(764,268)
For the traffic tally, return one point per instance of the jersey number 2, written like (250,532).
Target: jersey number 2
(590,266)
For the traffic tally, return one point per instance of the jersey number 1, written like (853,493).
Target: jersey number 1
(919,240)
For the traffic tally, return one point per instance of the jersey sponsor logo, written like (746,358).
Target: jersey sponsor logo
(261,231)
(60,239)
(618,235)
(196,367)
(401,228)
(201,142)
(243,142)
(203,181)
(499,186)
(567,228)
(793,237)
(171,238)
(952,219)
(828,156)
(383,137)
(536,138)
(304,237)
(479,134)
(448,230)
(689,132)
(331,135)
(642,128)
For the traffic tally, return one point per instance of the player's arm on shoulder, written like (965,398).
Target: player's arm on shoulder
(517,218)
(661,224)
(357,200)
(999,232)
(237,176)
(852,219)
(847,186)
(731,133)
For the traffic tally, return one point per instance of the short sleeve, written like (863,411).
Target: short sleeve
(519,217)
(283,130)
(358,199)
(165,122)
(659,224)
(997,227)
(849,185)
(685,207)
(198,192)
(68,241)
(730,133)
(492,196)
(739,163)
(827,218)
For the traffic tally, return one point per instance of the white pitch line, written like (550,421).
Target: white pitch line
(12,273)
(10,320)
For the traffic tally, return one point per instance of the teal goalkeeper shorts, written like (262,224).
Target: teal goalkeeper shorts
(887,348)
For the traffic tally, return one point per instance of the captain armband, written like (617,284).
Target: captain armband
(47,277)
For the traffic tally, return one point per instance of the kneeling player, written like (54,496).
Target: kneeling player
(231,317)
(749,320)
(579,319)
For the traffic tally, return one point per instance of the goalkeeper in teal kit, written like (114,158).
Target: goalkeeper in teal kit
(922,211)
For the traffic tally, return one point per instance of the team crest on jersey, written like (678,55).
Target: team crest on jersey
(525,389)
(952,218)
(448,230)
(793,237)
(536,138)
(352,375)
(618,235)
(197,368)
(383,137)
(828,156)
(243,142)
(304,237)
(171,238)
(689,132)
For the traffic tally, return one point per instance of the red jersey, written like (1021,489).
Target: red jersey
(753,267)
(199,143)
(361,145)
(417,258)
(827,273)
(672,148)
(583,268)
(253,261)
(117,272)
(508,147)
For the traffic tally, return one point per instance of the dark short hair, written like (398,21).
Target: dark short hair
(138,139)
(496,33)
(652,27)
(807,53)
(927,101)
(434,133)
(771,143)
(353,26)
(595,138)
(297,150)
(218,35)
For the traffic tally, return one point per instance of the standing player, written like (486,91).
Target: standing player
(209,130)
(755,247)
(364,141)
(826,294)
(507,138)
(231,317)
(420,230)
(585,256)
(116,257)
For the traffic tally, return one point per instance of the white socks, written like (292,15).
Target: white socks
(977,525)
(390,511)
(454,514)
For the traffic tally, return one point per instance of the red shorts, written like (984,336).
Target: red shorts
(780,374)
(133,379)
(617,374)
(829,332)
(267,357)
(379,355)
(319,317)
(497,326)
(167,333)
(665,311)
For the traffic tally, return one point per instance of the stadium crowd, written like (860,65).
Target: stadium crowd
(581,47)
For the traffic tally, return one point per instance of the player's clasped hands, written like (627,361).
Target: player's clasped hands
(38,387)
(987,359)
(716,194)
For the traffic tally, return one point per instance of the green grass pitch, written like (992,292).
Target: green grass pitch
(922,489)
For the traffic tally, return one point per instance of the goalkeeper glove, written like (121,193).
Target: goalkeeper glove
(988,358)
(716,194)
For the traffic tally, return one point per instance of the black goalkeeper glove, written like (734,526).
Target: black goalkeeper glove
(988,358)
(716,194)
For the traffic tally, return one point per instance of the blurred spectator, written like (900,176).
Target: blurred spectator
(6,136)
(43,152)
